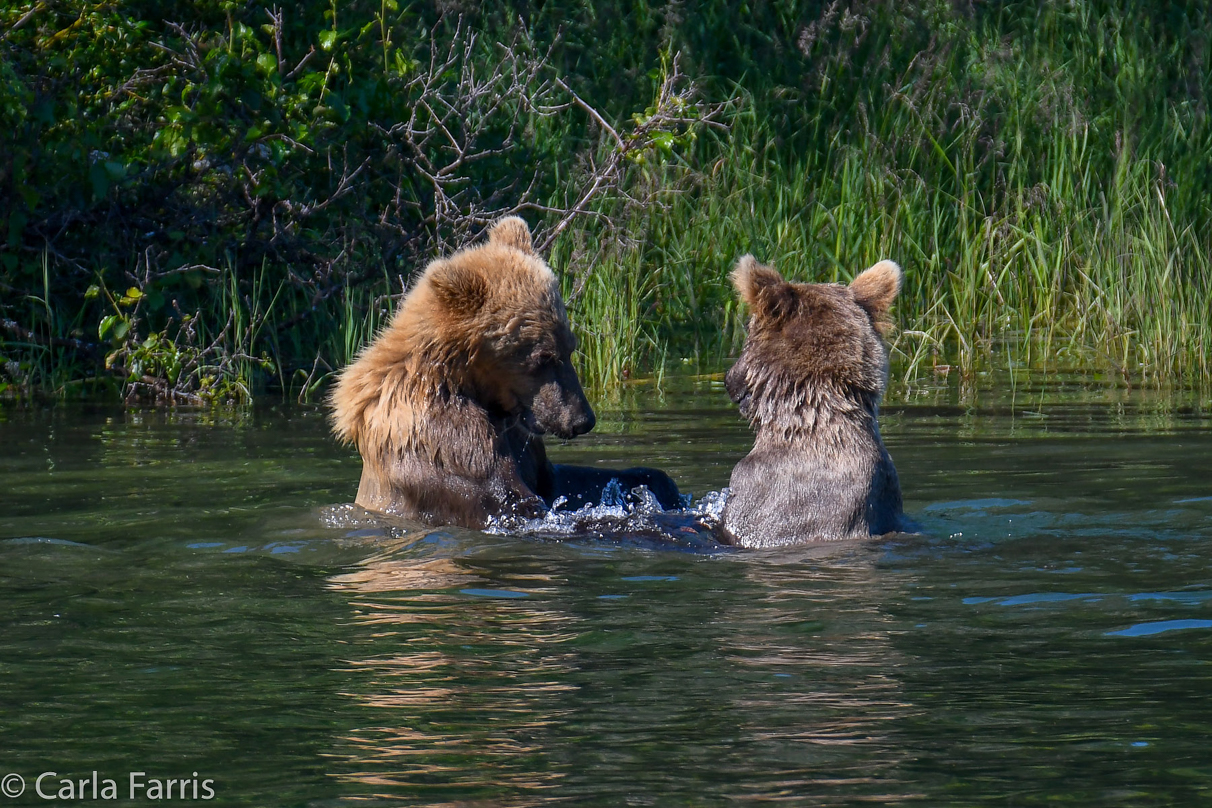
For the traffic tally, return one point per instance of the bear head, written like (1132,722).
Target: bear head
(810,339)
(494,319)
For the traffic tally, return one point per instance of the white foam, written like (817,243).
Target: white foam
(620,513)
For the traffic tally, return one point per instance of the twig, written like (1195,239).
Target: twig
(91,350)
(26,17)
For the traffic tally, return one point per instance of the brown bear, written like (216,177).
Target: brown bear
(810,379)
(448,403)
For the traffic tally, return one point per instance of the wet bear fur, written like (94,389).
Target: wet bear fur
(448,404)
(810,379)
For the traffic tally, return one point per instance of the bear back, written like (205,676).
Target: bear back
(809,379)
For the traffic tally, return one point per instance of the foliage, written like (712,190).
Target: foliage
(182,148)
(266,180)
(1038,170)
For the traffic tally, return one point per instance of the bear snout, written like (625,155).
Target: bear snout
(562,409)
(569,423)
(737,385)
(584,421)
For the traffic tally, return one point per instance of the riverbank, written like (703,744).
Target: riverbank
(1039,172)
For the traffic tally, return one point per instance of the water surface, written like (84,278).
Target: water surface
(180,596)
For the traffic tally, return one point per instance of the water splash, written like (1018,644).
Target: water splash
(360,524)
(633,515)
(711,506)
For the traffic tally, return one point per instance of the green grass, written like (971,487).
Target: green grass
(1040,171)
(1032,232)
(1109,280)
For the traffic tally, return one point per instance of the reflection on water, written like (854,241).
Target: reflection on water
(615,682)
(462,691)
(185,592)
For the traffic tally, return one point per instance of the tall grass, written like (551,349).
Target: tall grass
(1048,203)
(1039,170)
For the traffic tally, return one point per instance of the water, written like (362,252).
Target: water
(180,596)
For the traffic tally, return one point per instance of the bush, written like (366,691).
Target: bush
(233,161)
(268,180)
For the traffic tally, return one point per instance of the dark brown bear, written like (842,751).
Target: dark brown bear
(809,380)
(448,403)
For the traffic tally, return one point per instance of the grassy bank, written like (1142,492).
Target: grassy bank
(1039,170)
(1112,278)
(1044,187)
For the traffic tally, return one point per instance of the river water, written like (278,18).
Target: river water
(185,595)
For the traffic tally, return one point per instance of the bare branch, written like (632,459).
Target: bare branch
(26,17)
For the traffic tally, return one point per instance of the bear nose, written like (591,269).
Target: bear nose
(585,423)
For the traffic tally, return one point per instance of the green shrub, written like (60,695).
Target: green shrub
(268,180)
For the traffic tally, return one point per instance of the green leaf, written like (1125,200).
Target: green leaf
(663,140)
(107,322)
(403,65)
(311,80)
(92,292)
(131,297)
(328,39)
(99,178)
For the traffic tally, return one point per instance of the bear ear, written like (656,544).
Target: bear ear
(762,288)
(875,289)
(460,290)
(512,231)
(751,278)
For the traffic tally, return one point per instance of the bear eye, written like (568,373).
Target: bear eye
(546,360)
